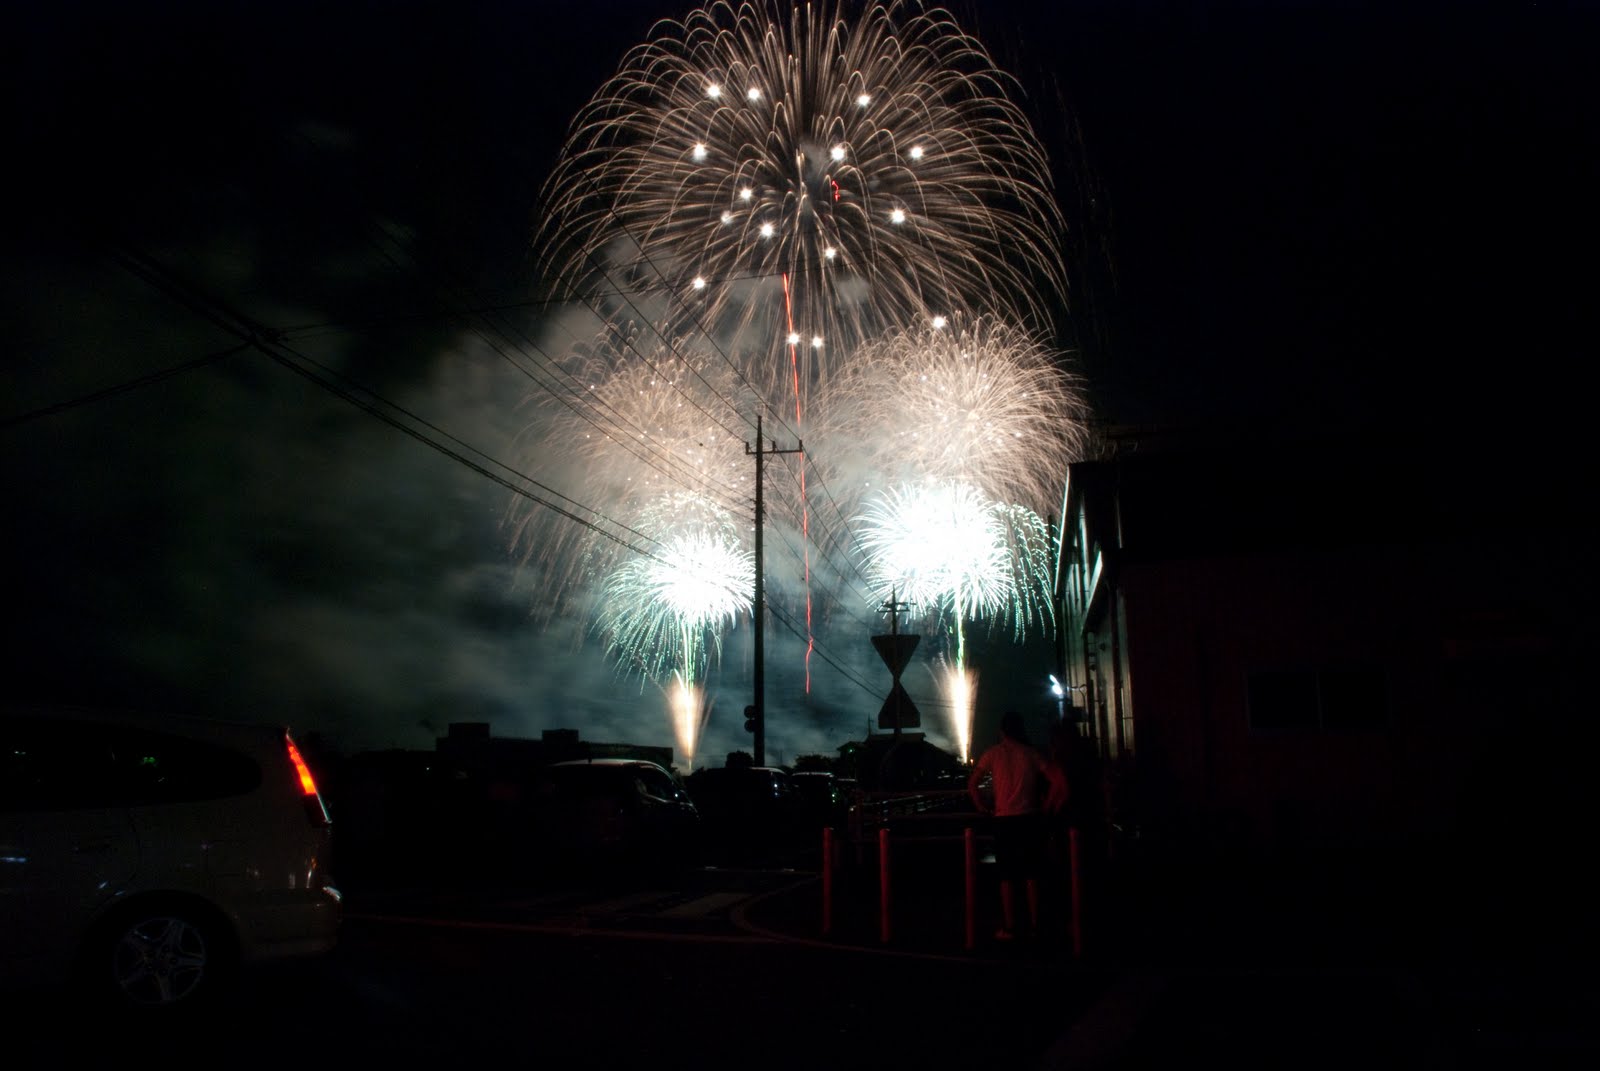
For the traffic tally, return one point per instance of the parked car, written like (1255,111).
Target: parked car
(752,813)
(614,812)
(826,802)
(147,856)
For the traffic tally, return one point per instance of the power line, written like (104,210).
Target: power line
(124,387)
(229,319)
(555,369)
(716,491)
(670,345)
(611,211)
(786,622)
(832,532)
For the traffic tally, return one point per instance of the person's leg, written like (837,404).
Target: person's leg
(1031,853)
(1008,907)
(1005,857)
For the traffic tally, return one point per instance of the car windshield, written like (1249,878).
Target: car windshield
(590,779)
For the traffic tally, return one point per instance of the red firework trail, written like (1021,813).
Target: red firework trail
(805,505)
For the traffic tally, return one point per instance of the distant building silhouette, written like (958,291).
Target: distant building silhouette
(899,762)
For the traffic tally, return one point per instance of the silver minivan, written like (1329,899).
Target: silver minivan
(146,856)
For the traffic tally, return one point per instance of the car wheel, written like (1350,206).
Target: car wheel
(161,957)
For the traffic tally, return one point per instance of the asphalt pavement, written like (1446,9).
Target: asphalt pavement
(1166,968)
(1243,974)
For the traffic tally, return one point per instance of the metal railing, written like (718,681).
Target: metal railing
(870,812)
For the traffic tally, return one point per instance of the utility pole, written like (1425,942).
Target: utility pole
(756,722)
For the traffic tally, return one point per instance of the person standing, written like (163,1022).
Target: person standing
(1019,777)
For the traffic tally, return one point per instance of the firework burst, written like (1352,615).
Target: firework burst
(844,205)
(640,423)
(663,567)
(796,181)
(958,557)
(974,401)
(665,614)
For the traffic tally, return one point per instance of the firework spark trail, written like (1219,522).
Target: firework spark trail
(689,715)
(877,162)
(805,504)
(961,691)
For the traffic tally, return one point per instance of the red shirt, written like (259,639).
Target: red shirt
(1019,772)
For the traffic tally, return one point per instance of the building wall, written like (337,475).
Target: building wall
(1469,586)
(1198,629)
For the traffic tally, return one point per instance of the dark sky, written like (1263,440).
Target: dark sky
(1283,216)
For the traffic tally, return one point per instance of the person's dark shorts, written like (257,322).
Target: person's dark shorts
(1019,846)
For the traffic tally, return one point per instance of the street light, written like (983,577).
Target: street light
(1061,697)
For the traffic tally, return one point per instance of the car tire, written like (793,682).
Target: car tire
(159,957)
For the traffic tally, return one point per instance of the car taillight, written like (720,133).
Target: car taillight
(308,784)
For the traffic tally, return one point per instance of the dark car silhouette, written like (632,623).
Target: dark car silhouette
(827,803)
(613,812)
(751,813)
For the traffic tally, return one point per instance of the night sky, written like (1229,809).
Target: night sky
(1283,217)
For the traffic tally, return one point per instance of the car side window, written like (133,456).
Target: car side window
(657,784)
(59,764)
(51,765)
(155,768)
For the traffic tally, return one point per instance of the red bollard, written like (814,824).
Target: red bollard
(970,845)
(883,885)
(1077,894)
(827,879)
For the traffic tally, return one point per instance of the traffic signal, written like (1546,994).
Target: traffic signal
(750,718)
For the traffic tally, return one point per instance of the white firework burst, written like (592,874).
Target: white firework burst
(795,179)
(664,615)
(640,425)
(977,402)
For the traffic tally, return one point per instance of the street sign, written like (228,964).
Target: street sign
(899,712)
(895,650)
